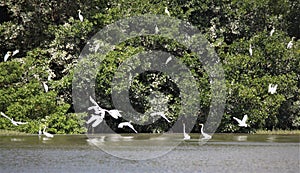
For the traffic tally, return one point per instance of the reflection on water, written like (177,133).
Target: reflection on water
(78,153)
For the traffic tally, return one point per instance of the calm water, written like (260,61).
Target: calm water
(223,153)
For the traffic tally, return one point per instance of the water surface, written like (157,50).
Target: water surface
(223,153)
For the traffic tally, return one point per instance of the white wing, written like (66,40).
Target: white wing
(238,120)
(6,116)
(18,122)
(93,101)
(92,118)
(115,113)
(131,126)
(164,116)
(97,122)
(245,118)
(15,52)
(121,125)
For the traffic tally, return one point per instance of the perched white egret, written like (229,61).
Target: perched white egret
(290,44)
(46,88)
(242,123)
(96,118)
(16,123)
(168,60)
(167,11)
(48,135)
(156,29)
(80,15)
(160,114)
(121,125)
(185,135)
(40,131)
(250,50)
(15,52)
(272,31)
(7,55)
(272,88)
(205,135)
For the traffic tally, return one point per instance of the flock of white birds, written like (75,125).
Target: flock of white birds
(99,112)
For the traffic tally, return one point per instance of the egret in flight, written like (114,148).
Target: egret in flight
(242,123)
(121,125)
(185,135)
(98,110)
(96,118)
(80,15)
(16,123)
(161,114)
(290,44)
(7,55)
(48,135)
(15,52)
(205,135)
(167,11)
(250,50)
(272,88)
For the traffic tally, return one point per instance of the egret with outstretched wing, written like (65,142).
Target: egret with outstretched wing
(242,123)
(16,123)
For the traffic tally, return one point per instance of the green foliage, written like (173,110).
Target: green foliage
(51,37)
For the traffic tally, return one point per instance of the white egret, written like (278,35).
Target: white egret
(185,135)
(168,60)
(115,113)
(242,123)
(98,110)
(121,125)
(205,135)
(48,135)
(272,31)
(156,29)
(7,55)
(290,44)
(250,50)
(96,118)
(272,88)
(16,123)
(96,107)
(40,131)
(167,11)
(46,88)
(161,114)
(80,15)
(15,52)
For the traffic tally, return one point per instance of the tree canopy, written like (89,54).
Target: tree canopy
(50,38)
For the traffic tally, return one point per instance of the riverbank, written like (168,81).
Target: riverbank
(10,132)
(278,132)
(263,132)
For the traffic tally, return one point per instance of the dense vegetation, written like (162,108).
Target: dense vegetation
(50,37)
